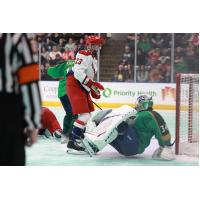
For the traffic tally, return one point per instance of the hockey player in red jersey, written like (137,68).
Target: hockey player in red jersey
(50,123)
(80,85)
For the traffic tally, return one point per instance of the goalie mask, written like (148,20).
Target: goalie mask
(144,102)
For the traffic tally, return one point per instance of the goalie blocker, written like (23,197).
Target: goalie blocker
(130,130)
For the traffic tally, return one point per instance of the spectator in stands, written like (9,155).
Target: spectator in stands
(181,39)
(167,39)
(44,55)
(44,75)
(153,57)
(179,52)
(128,56)
(55,37)
(190,57)
(81,44)
(164,56)
(67,54)
(85,37)
(180,65)
(118,77)
(55,53)
(119,73)
(157,41)
(166,71)
(70,46)
(194,39)
(61,44)
(40,37)
(49,44)
(144,43)
(155,76)
(142,73)
(141,57)
(128,75)
(131,41)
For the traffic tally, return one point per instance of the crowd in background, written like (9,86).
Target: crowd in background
(57,47)
(153,57)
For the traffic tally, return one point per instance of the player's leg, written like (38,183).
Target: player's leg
(77,134)
(81,104)
(69,117)
(126,144)
(50,123)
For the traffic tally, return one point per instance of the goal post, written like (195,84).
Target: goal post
(187,114)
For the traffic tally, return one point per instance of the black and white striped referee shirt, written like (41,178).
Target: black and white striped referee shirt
(19,74)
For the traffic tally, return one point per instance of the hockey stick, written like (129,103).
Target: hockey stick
(97,105)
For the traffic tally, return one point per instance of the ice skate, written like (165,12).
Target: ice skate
(75,147)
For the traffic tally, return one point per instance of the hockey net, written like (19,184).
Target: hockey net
(187,114)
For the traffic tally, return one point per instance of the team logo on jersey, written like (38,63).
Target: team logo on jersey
(107,92)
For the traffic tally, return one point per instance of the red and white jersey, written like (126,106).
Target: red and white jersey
(85,67)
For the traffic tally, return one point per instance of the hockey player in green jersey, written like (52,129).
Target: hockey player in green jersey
(59,72)
(131,133)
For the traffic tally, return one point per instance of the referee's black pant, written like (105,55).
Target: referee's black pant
(12,140)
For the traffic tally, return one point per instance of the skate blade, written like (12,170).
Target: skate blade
(74,152)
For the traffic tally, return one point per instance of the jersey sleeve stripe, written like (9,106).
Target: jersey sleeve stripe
(28,74)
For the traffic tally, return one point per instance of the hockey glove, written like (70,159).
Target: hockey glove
(163,153)
(95,88)
(92,84)
(95,94)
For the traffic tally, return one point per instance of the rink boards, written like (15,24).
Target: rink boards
(118,94)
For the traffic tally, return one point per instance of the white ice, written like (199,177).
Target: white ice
(50,152)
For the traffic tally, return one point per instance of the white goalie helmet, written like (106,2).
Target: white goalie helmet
(144,102)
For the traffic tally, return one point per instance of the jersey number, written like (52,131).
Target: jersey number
(78,61)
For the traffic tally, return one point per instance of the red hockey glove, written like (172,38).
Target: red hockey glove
(95,94)
(95,90)
(97,85)
(92,84)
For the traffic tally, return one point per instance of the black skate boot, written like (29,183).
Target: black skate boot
(75,144)
(75,147)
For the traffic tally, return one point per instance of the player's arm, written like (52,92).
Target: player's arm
(161,132)
(160,129)
(28,77)
(57,71)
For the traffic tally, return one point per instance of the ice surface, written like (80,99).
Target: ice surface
(49,152)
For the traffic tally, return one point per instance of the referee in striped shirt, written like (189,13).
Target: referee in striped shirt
(20,101)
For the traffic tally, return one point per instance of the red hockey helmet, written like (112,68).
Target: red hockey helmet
(94,39)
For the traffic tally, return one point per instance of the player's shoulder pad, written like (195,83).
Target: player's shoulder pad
(85,52)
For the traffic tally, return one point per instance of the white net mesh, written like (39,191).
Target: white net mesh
(189,114)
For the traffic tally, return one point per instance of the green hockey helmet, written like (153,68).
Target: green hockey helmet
(144,102)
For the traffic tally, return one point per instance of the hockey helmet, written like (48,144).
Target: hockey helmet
(94,39)
(144,102)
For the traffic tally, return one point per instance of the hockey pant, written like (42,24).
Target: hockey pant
(126,144)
